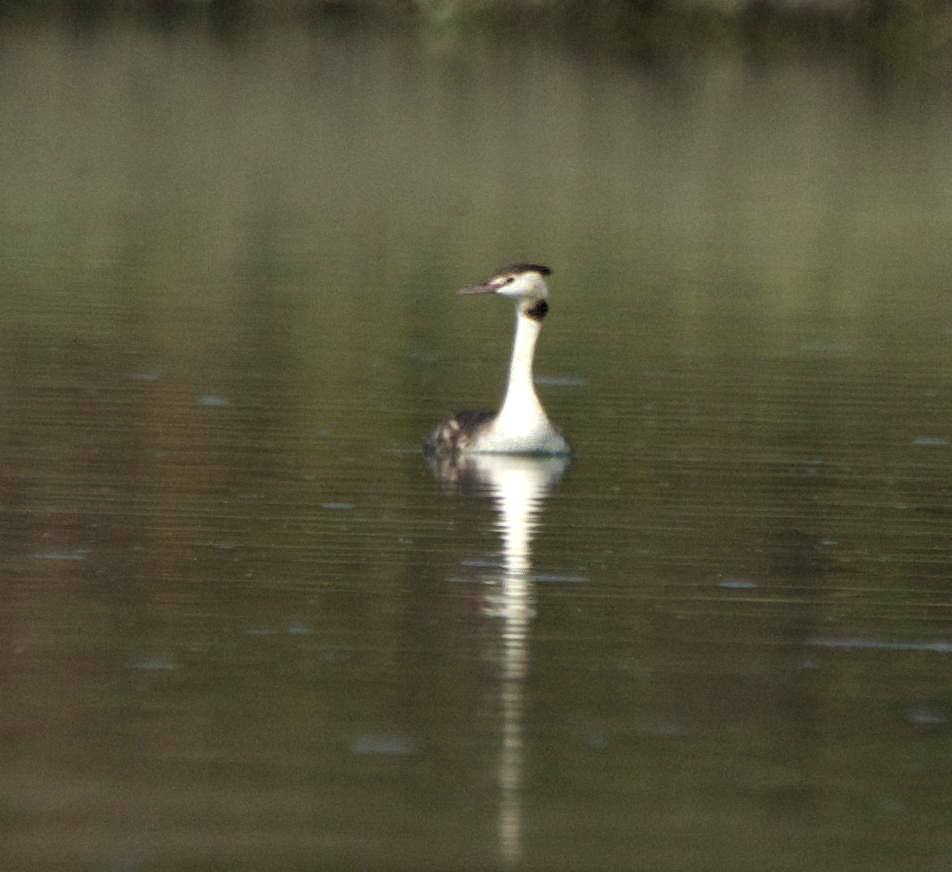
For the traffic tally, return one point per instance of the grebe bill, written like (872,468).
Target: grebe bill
(521,426)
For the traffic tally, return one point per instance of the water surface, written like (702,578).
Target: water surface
(248,626)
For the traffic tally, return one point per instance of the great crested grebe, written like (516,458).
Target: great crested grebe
(521,425)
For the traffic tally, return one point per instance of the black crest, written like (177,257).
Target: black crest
(525,267)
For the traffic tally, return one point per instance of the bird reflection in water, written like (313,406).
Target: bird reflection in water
(517,486)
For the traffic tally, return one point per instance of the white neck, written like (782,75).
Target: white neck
(521,408)
(521,427)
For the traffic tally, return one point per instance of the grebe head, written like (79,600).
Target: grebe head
(524,282)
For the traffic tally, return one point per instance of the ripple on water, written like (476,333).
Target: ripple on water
(78,554)
(925,717)
(385,744)
(737,584)
(563,381)
(157,663)
(938,646)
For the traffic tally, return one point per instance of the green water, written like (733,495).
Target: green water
(245,625)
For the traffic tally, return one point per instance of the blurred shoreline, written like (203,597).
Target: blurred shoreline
(901,34)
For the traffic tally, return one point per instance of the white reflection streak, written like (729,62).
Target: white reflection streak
(512,603)
(518,486)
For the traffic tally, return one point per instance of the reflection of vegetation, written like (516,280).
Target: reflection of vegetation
(896,30)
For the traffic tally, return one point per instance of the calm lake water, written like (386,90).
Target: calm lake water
(245,625)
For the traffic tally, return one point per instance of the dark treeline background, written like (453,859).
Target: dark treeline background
(889,34)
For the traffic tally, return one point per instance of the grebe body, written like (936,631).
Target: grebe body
(521,425)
